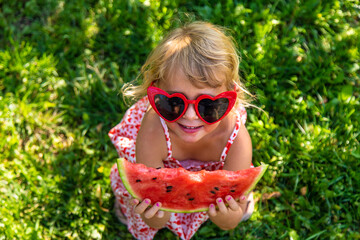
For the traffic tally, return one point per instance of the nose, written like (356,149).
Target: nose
(190,113)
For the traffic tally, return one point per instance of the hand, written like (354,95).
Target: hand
(227,217)
(152,216)
(143,209)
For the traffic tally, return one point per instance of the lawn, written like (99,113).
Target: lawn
(63,63)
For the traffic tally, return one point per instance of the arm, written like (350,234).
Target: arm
(150,151)
(240,153)
(239,157)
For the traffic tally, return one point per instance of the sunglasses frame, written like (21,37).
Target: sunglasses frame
(153,91)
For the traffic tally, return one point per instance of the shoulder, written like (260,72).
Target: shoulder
(150,143)
(240,153)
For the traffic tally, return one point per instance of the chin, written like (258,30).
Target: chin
(190,139)
(192,136)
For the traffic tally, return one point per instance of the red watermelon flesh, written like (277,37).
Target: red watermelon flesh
(180,190)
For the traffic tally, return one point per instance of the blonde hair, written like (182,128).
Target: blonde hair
(202,51)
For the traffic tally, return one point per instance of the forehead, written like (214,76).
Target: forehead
(177,81)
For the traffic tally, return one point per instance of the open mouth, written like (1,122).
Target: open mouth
(189,129)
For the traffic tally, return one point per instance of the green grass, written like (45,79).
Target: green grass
(62,64)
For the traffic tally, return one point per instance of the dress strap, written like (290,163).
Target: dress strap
(232,137)
(167,138)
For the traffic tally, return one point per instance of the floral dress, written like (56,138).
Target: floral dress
(123,136)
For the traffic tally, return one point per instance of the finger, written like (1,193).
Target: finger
(233,205)
(160,214)
(140,208)
(221,205)
(134,202)
(152,211)
(243,203)
(212,210)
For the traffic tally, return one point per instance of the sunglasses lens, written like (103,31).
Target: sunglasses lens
(169,108)
(211,111)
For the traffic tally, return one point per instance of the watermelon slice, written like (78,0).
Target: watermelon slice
(180,190)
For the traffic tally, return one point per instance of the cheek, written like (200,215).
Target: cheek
(172,125)
(211,127)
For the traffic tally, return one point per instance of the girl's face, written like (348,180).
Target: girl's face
(189,128)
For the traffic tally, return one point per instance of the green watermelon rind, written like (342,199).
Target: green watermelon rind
(121,169)
(262,172)
(185,211)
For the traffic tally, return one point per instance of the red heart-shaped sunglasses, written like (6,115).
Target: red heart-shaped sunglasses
(209,109)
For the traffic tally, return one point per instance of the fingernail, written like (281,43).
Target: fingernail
(147,201)
(158,204)
(219,200)
(211,205)
(242,198)
(228,198)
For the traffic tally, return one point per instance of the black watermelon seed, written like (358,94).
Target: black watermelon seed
(216,188)
(169,190)
(188,194)
(191,199)
(213,192)
(154,178)
(169,187)
(232,190)
(138,180)
(158,167)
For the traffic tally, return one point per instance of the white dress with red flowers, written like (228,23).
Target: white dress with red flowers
(123,136)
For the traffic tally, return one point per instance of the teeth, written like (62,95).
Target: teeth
(190,127)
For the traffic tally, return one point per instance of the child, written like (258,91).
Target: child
(191,115)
